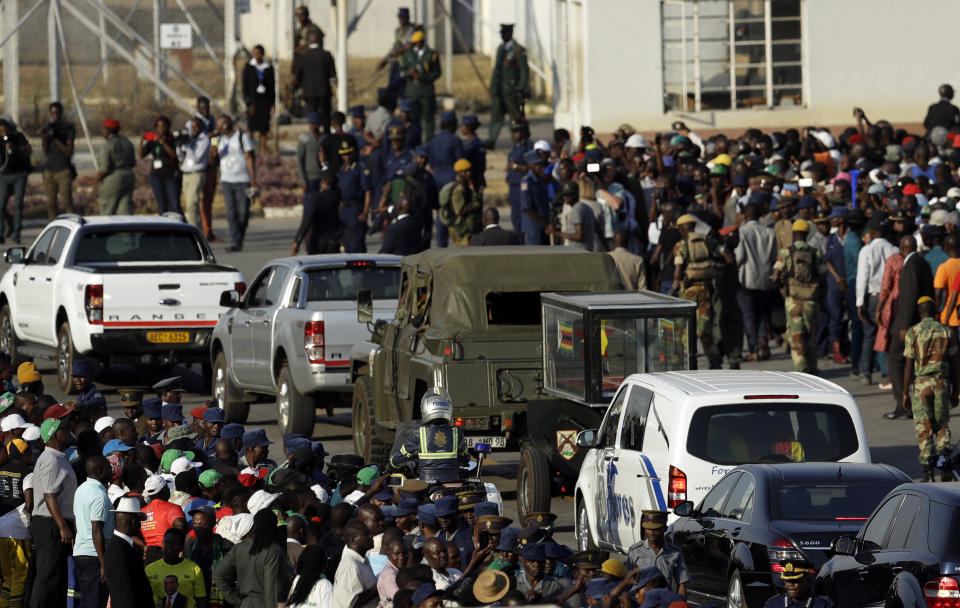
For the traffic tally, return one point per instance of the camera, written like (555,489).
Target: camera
(483,538)
(180,137)
(593,167)
(586,134)
(252,192)
(49,131)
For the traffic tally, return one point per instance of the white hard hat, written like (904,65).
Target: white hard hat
(636,141)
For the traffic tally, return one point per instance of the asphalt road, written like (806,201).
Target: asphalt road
(891,442)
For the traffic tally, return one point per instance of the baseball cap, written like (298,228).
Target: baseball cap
(206,509)
(533,158)
(103,422)
(17,447)
(261,499)
(27,372)
(614,568)
(541,145)
(154,485)
(49,427)
(636,141)
(367,475)
(208,479)
(55,411)
(115,445)
(241,524)
(599,587)
(183,464)
(31,433)
(166,461)
(11,422)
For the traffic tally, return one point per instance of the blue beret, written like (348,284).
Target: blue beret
(532,158)
(647,576)
(807,202)
(660,598)
(449,116)
(213,414)
(314,118)
(405,105)
(599,587)
(151,407)
(82,368)
(172,412)
(740,180)
(255,438)
(233,430)
(557,551)
(759,198)
(508,540)
(486,508)
(357,112)
(447,506)
(534,552)
(424,592)
(420,150)
(427,514)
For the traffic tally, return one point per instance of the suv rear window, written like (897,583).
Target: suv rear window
(325,284)
(138,246)
(771,432)
(826,502)
(943,534)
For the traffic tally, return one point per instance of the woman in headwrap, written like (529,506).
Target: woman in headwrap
(254,572)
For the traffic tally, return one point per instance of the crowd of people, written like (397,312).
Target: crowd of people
(155,509)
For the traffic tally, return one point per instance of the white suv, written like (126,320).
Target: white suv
(668,437)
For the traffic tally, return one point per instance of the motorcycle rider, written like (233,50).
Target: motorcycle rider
(436,448)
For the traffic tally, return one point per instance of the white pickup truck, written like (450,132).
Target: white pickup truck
(118,289)
(289,337)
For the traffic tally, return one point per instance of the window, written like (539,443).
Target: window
(877,528)
(277,281)
(635,418)
(344,283)
(607,437)
(772,432)
(630,346)
(138,246)
(257,294)
(56,248)
(740,504)
(943,529)
(731,54)
(827,502)
(900,535)
(712,505)
(38,254)
(513,308)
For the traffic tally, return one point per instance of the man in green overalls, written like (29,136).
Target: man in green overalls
(508,85)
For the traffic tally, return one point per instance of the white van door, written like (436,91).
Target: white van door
(638,483)
(606,472)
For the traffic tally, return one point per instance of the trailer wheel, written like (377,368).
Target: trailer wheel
(533,482)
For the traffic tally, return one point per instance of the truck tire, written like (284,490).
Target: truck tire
(295,412)
(226,396)
(367,439)
(64,358)
(533,482)
(8,338)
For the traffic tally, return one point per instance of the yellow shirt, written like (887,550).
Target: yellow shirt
(189,577)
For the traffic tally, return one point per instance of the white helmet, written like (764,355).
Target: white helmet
(436,404)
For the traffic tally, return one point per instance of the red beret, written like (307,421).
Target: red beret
(856,138)
(110,123)
(911,189)
(197,412)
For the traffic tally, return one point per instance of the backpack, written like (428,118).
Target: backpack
(804,277)
(702,267)
(448,217)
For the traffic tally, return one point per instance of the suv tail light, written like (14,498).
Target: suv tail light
(676,487)
(240,288)
(781,552)
(93,304)
(313,341)
(942,592)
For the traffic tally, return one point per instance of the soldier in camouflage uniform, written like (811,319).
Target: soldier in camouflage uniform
(798,271)
(401,42)
(305,28)
(117,158)
(698,261)
(420,66)
(930,353)
(460,206)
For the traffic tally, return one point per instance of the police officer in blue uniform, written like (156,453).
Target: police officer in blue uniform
(358,117)
(445,148)
(475,152)
(534,200)
(411,122)
(154,417)
(798,593)
(89,399)
(453,529)
(431,191)
(396,156)
(356,190)
(517,168)
(436,446)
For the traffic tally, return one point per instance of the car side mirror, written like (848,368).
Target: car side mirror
(14,255)
(364,306)
(845,545)
(684,509)
(587,439)
(230,299)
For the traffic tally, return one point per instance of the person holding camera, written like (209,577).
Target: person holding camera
(14,168)
(116,181)
(58,170)
(194,156)
(238,178)
(160,146)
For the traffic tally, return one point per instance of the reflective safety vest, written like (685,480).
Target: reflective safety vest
(438,442)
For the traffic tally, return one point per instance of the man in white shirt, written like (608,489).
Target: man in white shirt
(354,585)
(194,157)
(237,175)
(870,265)
(435,553)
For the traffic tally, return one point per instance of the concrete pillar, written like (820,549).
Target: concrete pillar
(229,49)
(11,59)
(343,74)
(54,54)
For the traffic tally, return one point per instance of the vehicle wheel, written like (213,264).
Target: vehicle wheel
(8,339)
(295,412)
(225,395)
(584,538)
(533,482)
(367,441)
(736,597)
(64,359)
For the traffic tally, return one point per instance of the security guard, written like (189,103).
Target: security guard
(444,149)
(468,500)
(356,190)
(431,193)
(358,118)
(517,168)
(153,415)
(411,124)
(420,66)
(653,550)
(436,446)
(541,519)
(117,158)
(932,364)
(508,83)
(397,156)
(799,270)
(698,261)
(474,151)
(90,398)
(461,207)
(534,200)
(797,594)
(583,566)
(131,401)
(453,529)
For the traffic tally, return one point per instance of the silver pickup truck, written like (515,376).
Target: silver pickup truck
(289,337)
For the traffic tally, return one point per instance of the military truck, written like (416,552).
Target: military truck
(467,319)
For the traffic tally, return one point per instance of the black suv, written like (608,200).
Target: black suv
(907,554)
